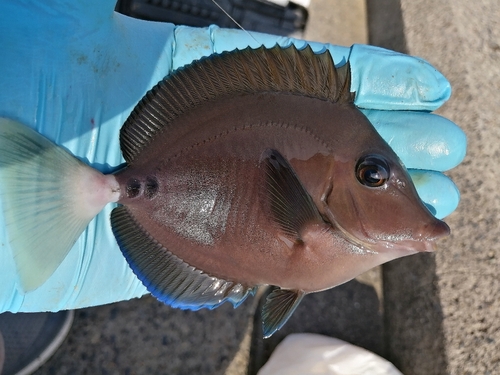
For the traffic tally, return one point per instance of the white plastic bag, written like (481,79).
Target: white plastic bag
(312,354)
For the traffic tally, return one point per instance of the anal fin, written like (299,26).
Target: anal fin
(280,305)
(168,277)
(291,205)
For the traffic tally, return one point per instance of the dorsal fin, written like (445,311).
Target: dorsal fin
(299,72)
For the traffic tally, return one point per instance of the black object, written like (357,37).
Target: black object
(255,15)
(31,338)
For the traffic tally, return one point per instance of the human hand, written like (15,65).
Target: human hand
(74,70)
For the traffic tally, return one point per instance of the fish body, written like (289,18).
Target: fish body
(211,203)
(244,169)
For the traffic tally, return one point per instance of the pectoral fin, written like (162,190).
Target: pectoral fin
(166,276)
(291,205)
(279,306)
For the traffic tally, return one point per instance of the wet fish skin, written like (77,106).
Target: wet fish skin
(229,179)
(249,168)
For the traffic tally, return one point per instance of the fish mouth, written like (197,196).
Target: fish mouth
(394,244)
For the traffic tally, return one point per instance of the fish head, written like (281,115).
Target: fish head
(373,202)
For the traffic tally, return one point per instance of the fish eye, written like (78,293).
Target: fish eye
(372,171)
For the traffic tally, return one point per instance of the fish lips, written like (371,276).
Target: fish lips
(423,240)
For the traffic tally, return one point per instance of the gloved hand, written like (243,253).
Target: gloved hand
(74,70)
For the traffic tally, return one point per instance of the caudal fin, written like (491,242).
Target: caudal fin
(41,200)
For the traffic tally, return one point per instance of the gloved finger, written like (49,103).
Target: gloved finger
(421,140)
(389,80)
(437,191)
(382,79)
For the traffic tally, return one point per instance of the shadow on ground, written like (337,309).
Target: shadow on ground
(143,336)
(350,312)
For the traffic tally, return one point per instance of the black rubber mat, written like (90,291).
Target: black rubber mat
(255,15)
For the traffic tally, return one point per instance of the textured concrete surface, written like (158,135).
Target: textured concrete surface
(461,38)
(337,22)
(143,336)
(413,317)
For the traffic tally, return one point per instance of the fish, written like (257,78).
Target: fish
(242,169)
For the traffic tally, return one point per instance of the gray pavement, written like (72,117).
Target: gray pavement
(440,312)
(458,297)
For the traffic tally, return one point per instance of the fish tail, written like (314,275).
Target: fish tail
(48,198)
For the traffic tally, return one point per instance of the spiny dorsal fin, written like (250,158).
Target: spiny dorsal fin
(299,72)
(166,276)
(291,205)
(279,307)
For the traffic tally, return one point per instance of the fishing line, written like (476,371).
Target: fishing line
(232,19)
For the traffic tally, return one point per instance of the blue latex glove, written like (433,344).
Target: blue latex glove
(74,69)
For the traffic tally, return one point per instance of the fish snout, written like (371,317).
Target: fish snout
(424,239)
(435,230)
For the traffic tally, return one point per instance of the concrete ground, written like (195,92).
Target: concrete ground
(457,302)
(440,312)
